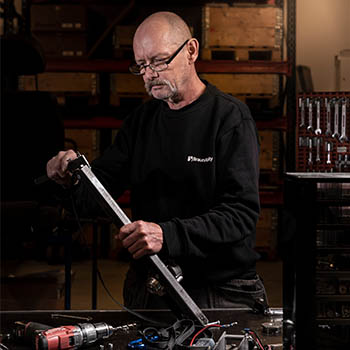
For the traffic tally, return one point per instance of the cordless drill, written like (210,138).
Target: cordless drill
(44,337)
(72,337)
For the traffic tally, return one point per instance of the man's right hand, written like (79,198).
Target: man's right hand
(56,167)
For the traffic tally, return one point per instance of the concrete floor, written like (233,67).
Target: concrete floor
(112,272)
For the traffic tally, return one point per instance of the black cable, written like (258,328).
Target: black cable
(75,212)
(104,285)
(124,307)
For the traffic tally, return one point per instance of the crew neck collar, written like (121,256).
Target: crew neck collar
(190,107)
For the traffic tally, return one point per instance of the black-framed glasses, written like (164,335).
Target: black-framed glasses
(140,69)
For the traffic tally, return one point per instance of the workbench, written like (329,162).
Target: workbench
(245,318)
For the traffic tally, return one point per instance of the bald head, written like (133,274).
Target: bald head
(169,25)
(164,40)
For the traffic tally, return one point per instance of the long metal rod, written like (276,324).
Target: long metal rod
(178,294)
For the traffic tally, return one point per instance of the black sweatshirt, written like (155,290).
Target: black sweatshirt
(194,171)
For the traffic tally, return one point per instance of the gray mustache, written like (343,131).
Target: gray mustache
(152,83)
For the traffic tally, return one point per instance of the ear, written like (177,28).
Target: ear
(192,50)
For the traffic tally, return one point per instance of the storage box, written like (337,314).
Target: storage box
(63,44)
(127,83)
(127,90)
(247,26)
(255,84)
(122,41)
(64,17)
(60,82)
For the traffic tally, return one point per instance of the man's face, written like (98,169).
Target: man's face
(168,84)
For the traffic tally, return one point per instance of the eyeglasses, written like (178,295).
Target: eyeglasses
(140,69)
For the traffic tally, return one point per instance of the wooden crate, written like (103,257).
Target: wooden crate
(255,84)
(127,83)
(64,17)
(241,26)
(270,144)
(122,41)
(267,230)
(63,44)
(60,82)
(87,141)
(127,90)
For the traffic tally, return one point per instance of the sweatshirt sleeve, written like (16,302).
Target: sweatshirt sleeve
(232,218)
(112,170)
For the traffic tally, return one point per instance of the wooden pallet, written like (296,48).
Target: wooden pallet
(245,84)
(60,82)
(241,53)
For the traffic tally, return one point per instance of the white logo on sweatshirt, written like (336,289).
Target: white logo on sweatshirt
(199,160)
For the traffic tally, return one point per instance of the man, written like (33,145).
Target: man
(190,158)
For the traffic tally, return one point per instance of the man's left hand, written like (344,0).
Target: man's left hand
(141,238)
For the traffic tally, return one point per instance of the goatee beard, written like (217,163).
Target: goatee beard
(173,94)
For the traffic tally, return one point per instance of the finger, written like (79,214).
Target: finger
(126,230)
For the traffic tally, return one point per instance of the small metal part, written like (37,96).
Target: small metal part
(110,346)
(272,327)
(155,287)
(101,347)
(72,317)
(126,327)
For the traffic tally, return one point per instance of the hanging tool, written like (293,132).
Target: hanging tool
(343,137)
(309,104)
(318,130)
(328,117)
(336,118)
(328,147)
(318,145)
(310,152)
(302,112)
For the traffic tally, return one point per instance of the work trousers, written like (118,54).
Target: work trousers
(236,293)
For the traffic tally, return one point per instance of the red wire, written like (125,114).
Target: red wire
(257,340)
(201,330)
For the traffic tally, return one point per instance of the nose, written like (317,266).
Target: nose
(150,73)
